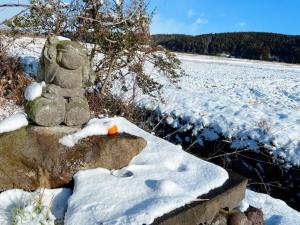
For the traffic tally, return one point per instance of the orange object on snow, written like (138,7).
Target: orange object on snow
(113,130)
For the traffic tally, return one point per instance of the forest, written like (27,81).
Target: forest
(247,45)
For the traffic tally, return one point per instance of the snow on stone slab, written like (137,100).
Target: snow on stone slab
(160,179)
(93,127)
(34,90)
(276,212)
(19,207)
(13,122)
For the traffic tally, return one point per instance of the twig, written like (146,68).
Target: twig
(262,180)
(168,135)
(16,5)
(159,122)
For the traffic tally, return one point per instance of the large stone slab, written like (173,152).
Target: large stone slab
(204,211)
(32,157)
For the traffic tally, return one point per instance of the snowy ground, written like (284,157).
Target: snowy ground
(18,204)
(250,103)
(276,212)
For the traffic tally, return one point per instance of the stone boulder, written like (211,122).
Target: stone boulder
(32,157)
(255,216)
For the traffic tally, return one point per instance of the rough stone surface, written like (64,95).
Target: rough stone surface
(219,220)
(238,218)
(77,111)
(203,212)
(46,112)
(255,216)
(65,68)
(32,157)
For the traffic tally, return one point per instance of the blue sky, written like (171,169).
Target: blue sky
(215,16)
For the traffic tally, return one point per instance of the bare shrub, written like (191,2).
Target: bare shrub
(109,105)
(12,79)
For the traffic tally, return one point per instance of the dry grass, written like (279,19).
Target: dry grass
(12,79)
(109,105)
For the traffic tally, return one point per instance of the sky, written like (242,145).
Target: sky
(215,16)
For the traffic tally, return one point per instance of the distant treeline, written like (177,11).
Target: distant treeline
(248,45)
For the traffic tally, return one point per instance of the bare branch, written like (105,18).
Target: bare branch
(16,5)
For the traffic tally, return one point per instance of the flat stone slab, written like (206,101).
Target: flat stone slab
(203,211)
(32,157)
(160,179)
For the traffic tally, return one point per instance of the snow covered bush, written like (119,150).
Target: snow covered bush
(110,105)
(33,214)
(42,207)
(24,208)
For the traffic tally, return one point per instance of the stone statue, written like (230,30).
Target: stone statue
(65,69)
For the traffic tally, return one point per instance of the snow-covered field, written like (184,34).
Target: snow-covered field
(249,103)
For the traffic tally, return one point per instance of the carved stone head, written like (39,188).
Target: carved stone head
(64,63)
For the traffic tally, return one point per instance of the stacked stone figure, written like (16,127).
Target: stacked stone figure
(65,69)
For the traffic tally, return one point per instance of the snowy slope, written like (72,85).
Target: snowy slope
(276,212)
(247,102)
(160,179)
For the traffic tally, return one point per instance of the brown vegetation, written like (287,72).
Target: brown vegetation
(12,79)
(109,105)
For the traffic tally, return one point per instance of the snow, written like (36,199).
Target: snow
(276,212)
(93,127)
(34,90)
(61,38)
(13,122)
(252,104)
(8,107)
(44,206)
(118,2)
(160,179)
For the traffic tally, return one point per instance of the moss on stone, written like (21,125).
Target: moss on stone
(32,107)
(78,102)
(63,43)
(12,140)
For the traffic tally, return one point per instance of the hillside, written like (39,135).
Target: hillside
(248,45)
